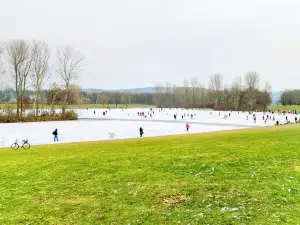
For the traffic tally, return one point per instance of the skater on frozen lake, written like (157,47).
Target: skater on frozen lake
(55,133)
(187,127)
(141,132)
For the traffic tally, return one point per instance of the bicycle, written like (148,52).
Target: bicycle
(25,145)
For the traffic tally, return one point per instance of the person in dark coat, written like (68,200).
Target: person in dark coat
(141,132)
(55,133)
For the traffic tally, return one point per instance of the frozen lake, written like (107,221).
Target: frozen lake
(123,124)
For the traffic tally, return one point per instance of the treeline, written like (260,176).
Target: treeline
(27,65)
(240,95)
(118,98)
(290,97)
(56,96)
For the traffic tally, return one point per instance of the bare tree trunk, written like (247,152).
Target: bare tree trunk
(216,84)
(69,66)
(41,55)
(252,84)
(37,94)
(17,96)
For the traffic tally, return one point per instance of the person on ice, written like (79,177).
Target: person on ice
(187,127)
(141,132)
(55,133)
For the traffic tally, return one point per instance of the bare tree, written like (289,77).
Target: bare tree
(268,87)
(19,57)
(202,95)
(41,55)
(195,84)
(69,66)
(173,94)
(128,98)
(55,91)
(252,85)
(186,91)
(216,85)
(102,99)
(2,71)
(236,92)
(168,90)
(158,94)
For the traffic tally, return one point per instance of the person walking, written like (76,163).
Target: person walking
(187,127)
(55,133)
(141,132)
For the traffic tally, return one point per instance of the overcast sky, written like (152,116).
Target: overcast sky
(137,43)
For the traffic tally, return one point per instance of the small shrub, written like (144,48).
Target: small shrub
(45,114)
(70,115)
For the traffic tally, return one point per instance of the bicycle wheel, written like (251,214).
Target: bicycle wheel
(26,146)
(15,146)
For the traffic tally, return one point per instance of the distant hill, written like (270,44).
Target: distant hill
(132,90)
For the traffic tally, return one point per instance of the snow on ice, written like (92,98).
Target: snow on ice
(125,123)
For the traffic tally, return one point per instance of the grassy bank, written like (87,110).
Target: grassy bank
(83,106)
(284,108)
(237,177)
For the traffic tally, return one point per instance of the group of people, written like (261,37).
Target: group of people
(265,117)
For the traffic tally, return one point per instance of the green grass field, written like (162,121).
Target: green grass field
(236,177)
(84,106)
(284,108)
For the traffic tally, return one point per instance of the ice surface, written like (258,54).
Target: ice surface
(122,124)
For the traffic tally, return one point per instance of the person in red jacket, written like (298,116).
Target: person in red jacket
(187,127)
